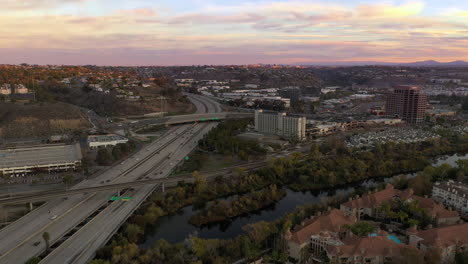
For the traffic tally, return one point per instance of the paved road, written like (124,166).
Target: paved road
(59,216)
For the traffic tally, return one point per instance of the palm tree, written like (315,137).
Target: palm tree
(46,238)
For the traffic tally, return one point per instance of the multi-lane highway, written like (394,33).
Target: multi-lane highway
(18,241)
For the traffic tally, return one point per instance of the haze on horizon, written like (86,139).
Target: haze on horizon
(185,32)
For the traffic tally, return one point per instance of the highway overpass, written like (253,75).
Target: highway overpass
(182,119)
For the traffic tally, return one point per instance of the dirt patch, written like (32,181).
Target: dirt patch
(20,121)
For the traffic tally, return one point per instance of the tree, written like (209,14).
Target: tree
(132,232)
(362,229)
(117,151)
(103,157)
(461,257)
(67,180)
(421,184)
(200,182)
(46,237)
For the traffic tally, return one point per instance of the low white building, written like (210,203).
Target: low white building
(105,140)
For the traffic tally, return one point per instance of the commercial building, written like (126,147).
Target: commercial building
(40,159)
(96,141)
(408,103)
(273,123)
(292,93)
(453,194)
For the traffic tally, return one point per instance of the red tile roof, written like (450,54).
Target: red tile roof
(445,236)
(330,221)
(374,200)
(368,247)
(434,208)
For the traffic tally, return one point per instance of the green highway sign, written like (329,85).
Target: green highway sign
(187,158)
(203,119)
(116,198)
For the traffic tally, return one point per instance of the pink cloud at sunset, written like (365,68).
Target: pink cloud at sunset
(107,32)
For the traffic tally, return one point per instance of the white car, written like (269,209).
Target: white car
(53,217)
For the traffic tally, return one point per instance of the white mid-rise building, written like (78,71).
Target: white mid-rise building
(453,194)
(288,127)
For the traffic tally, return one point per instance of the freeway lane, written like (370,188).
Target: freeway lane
(17,239)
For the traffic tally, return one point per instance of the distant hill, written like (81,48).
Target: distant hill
(427,63)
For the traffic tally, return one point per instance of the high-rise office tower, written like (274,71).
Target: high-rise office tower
(408,103)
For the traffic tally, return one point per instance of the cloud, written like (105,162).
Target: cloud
(267,31)
(387,10)
(214,18)
(21,5)
(139,12)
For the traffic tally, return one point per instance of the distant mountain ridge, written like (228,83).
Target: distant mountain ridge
(427,63)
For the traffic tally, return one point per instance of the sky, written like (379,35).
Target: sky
(224,32)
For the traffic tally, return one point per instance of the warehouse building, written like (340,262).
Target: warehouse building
(37,159)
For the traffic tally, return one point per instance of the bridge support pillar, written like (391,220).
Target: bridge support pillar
(118,193)
(163,189)
(30,206)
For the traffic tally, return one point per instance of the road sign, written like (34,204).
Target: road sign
(187,158)
(114,198)
(125,198)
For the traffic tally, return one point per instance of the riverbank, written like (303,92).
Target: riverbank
(243,204)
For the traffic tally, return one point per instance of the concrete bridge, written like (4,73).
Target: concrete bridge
(182,119)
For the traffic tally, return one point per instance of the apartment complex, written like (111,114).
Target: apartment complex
(318,233)
(369,205)
(280,124)
(408,103)
(328,235)
(446,241)
(453,194)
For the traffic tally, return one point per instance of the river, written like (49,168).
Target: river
(175,228)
